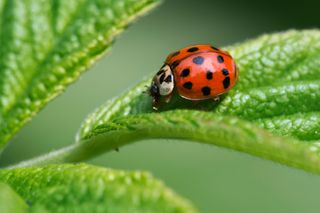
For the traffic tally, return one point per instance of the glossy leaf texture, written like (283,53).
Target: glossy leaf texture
(279,82)
(45,46)
(85,188)
(273,112)
(278,91)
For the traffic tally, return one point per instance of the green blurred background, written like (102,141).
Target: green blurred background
(215,179)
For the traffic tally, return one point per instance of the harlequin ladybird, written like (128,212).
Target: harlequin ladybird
(196,72)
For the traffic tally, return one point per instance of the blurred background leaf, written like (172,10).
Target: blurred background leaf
(46,45)
(85,188)
(205,175)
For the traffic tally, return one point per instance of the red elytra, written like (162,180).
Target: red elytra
(197,72)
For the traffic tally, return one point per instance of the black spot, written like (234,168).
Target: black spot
(220,59)
(209,75)
(206,91)
(162,78)
(225,71)
(187,85)
(214,48)
(175,64)
(168,79)
(192,49)
(175,54)
(185,73)
(160,72)
(198,60)
(226,82)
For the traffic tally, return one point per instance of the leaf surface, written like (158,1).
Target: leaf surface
(86,188)
(45,46)
(279,80)
(273,112)
(278,90)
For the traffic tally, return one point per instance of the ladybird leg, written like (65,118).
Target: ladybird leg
(167,99)
(155,103)
(216,99)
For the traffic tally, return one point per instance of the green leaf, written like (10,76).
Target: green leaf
(279,88)
(46,45)
(85,188)
(273,112)
(10,201)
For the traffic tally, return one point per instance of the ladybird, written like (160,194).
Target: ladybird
(196,72)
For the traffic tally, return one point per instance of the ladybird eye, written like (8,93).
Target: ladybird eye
(154,90)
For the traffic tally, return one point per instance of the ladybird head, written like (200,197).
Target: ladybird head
(162,83)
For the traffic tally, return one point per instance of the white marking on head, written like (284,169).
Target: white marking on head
(165,81)
(166,88)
